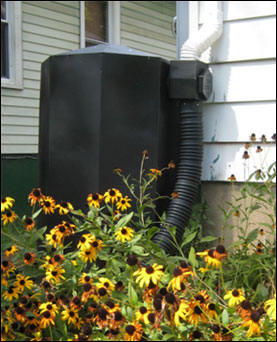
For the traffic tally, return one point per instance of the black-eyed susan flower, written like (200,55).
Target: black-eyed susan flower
(19,314)
(124,234)
(112,195)
(78,324)
(47,318)
(56,260)
(54,274)
(117,319)
(234,296)
(270,307)
(88,254)
(209,258)
(102,318)
(247,145)
(171,164)
(64,207)
(244,309)
(8,216)
(11,293)
(253,323)
(49,306)
(7,267)
(263,138)
(195,335)
(29,223)
(29,258)
(133,332)
(52,239)
(245,155)
(155,173)
(88,292)
(232,178)
(236,213)
(220,252)
(70,315)
(123,203)
(85,241)
(132,260)
(141,314)
(96,244)
(35,196)
(22,282)
(85,278)
(253,137)
(11,250)
(94,200)
(196,314)
(259,149)
(150,273)
(182,312)
(48,204)
(6,203)
(273,137)
(105,283)
(211,311)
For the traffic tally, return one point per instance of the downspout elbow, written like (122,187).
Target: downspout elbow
(210,31)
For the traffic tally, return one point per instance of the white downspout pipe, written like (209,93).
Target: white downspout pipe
(210,31)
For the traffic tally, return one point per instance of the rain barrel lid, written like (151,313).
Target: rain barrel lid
(107,48)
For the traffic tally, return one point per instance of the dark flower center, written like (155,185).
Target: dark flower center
(255,316)
(183,264)
(5,263)
(197,310)
(47,204)
(157,304)
(22,282)
(8,213)
(57,258)
(220,249)
(19,310)
(83,239)
(112,193)
(150,270)
(49,307)
(71,313)
(130,329)
(177,272)
(63,204)
(29,221)
(95,197)
(27,256)
(106,284)
(102,291)
(76,300)
(235,293)
(142,310)
(86,329)
(87,287)
(54,273)
(95,244)
(132,260)
(118,316)
(36,193)
(123,231)
(196,334)
(246,305)
(87,278)
(62,229)
(110,304)
(170,298)
(102,313)
(216,328)
(211,307)
(151,318)
(211,253)
(46,314)
(200,298)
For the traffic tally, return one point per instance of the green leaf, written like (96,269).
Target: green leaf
(133,297)
(122,222)
(192,258)
(252,235)
(262,292)
(151,232)
(208,238)
(225,317)
(188,239)
(36,214)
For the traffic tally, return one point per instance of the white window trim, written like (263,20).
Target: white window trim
(15,46)
(113,23)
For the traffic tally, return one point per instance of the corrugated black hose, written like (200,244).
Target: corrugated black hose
(191,82)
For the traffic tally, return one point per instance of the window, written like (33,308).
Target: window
(96,22)
(11,45)
(100,22)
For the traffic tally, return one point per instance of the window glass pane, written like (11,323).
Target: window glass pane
(4,51)
(96,20)
(3,10)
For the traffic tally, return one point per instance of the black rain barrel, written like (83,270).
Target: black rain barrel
(100,107)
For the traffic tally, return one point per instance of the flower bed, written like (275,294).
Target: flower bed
(119,285)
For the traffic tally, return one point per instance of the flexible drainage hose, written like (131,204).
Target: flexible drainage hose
(188,174)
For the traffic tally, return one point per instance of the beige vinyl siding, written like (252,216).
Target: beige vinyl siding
(243,102)
(147,26)
(48,28)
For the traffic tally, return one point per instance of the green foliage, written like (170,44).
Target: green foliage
(118,268)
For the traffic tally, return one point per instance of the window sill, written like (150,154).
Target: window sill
(6,83)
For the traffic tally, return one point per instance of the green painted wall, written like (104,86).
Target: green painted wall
(19,175)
